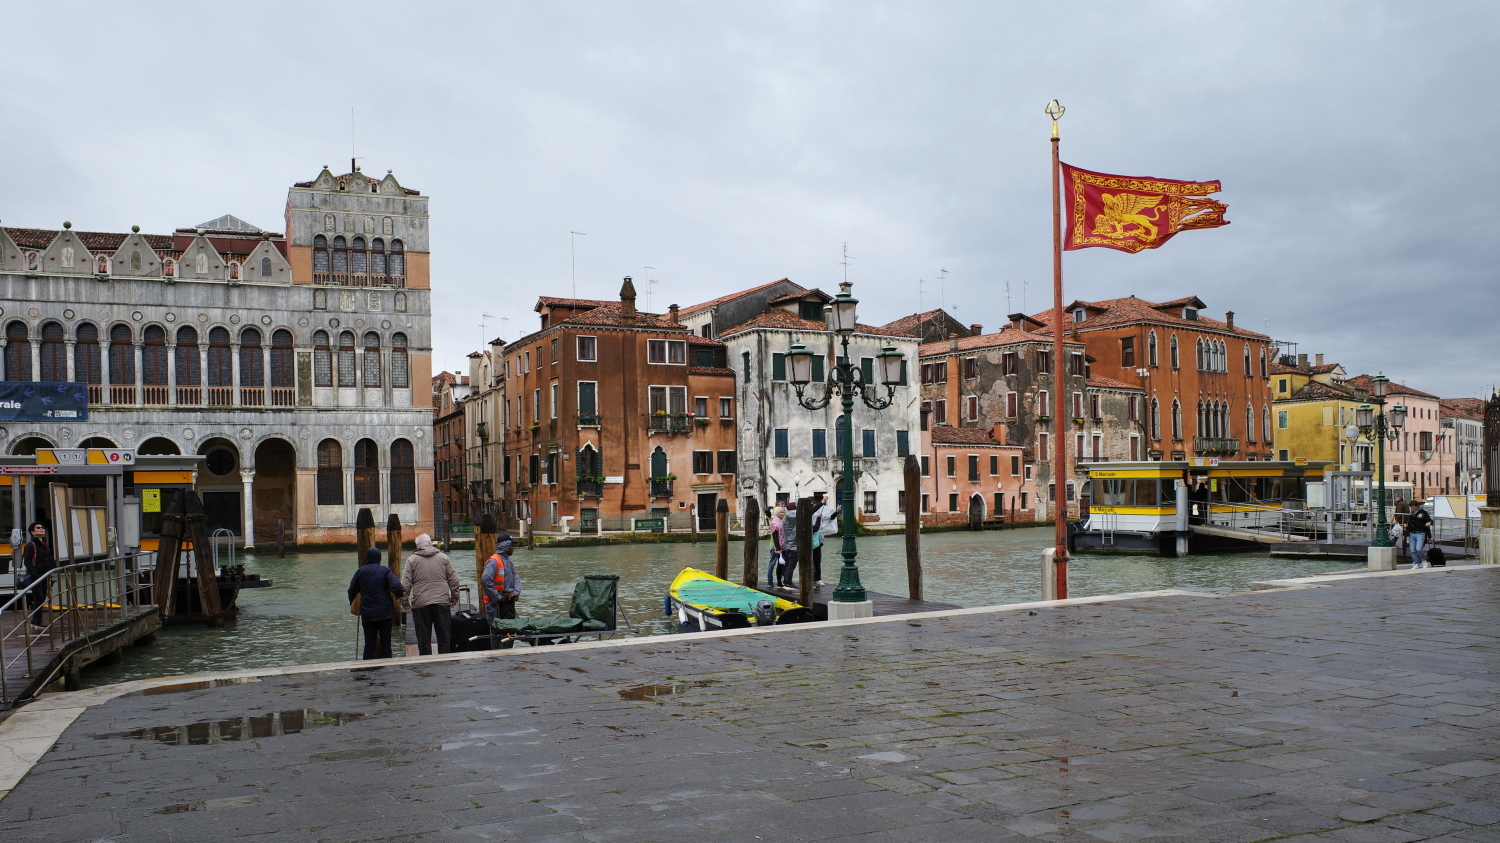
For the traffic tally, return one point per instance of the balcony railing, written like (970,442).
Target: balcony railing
(190,395)
(252,396)
(122,394)
(590,488)
(154,394)
(588,419)
(1213,446)
(283,396)
(669,424)
(221,396)
(96,393)
(661,488)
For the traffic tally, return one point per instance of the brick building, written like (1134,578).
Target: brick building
(449,389)
(614,414)
(967,476)
(1206,381)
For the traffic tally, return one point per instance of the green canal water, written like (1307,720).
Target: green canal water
(304,618)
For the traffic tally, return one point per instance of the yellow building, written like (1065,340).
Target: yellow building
(1313,405)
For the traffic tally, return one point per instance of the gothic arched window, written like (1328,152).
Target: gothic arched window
(330,473)
(265,267)
(346,359)
(87,366)
(403,472)
(252,362)
(220,358)
(320,254)
(377,259)
(372,359)
(397,261)
(400,365)
(1172,352)
(340,255)
(1151,350)
(1155,419)
(154,357)
(189,364)
(359,258)
(322,360)
(1176,419)
(366,472)
(54,352)
(283,360)
(121,357)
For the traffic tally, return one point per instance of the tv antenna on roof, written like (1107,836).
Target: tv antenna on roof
(484,320)
(353,161)
(650,287)
(503,326)
(1007,296)
(943,288)
(845,261)
(573,250)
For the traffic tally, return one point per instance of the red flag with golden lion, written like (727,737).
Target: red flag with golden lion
(1130,213)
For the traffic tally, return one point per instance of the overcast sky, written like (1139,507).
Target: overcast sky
(727,145)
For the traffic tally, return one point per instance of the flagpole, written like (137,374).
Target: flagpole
(1059,379)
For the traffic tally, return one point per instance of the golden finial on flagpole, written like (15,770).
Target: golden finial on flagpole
(1055,110)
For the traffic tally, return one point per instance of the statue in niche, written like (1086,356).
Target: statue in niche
(400,302)
(369,225)
(328,223)
(372,300)
(348,300)
(135,260)
(387,227)
(101,265)
(320,299)
(202,264)
(67,256)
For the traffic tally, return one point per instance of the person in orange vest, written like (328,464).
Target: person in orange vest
(501,584)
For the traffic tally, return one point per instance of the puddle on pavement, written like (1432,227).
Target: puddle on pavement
(276,723)
(646,692)
(210,804)
(184,687)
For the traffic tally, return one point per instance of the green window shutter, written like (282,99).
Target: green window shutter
(817,368)
(778,367)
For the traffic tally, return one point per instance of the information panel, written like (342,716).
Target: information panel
(42,401)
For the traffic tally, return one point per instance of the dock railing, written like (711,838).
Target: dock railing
(1334,526)
(74,602)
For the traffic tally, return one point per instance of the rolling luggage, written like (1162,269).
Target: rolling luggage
(1436,558)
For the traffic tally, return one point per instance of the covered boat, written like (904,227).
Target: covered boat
(702,599)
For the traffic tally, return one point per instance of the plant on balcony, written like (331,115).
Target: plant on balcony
(665,478)
(535,427)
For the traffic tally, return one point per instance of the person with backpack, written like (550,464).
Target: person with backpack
(432,588)
(1418,534)
(376,588)
(36,562)
(500,584)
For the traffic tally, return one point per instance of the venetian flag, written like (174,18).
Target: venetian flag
(1132,213)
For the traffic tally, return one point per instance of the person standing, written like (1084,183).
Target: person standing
(431,586)
(825,516)
(501,584)
(1402,512)
(789,545)
(773,565)
(376,587)
(1418,534)
(36,562)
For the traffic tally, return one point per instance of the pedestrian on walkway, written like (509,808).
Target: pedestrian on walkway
(36,562)
(1398,517)
(825,523)
(789,545)
(431,586)
(773,564)
(501,584)
(1418,534)
(377,589)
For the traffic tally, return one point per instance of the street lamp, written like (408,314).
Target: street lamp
(1378,427)
(846,380)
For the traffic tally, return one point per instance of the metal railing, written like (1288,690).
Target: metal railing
(72,602)
(1216,445)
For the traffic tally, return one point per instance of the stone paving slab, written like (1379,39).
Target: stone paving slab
(1365,710)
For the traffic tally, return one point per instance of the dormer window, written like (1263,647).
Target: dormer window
(810,310)
(1080,314)
(1190,314)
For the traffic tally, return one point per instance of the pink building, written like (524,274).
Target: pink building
(1423,454)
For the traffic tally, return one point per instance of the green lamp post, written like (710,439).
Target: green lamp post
(845,380)
(1377,427)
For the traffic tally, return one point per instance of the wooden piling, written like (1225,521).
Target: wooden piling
(168,552)
(281,538)
(393,544)
(804,551)
(721,539)
(195,525)
(484,544)
(752,543)
(693,522)
(364,526)
(913,475)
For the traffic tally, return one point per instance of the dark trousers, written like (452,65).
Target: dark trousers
(37,600)
(501,610)
(788,566)
(377,639)
(818,563)
(432,617)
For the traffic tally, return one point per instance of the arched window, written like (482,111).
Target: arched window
(54,352)
(220,366)
(658,463)
(330,473)
(1172,352)
(283,361)
(397,260)
(366,472)
(122,362)
(322,360)
(1151,359)
(17,352)
(1155,420)
(265,267)
(1265,424)
(320,255)
(590,463)
(168,268)
(1249,423)
(87,366)
(359,258)
(189,366)
(1198,428)
(377,260)
(372,359)
(234,270)
(340,256)
(1263,372)
(1176,419)
(403,472)
(252,366)
(400,366)
(154,363)
(346,359)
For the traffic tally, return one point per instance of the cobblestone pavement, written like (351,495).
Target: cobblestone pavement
(1362,711)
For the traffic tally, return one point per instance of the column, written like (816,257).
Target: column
(138,348)
(349,507)
(72,374)
(265,370)
(171,371)
(203,370)
(385,483)
(36,359)
(234,369)
(104,381)
(247,477)
(4,344)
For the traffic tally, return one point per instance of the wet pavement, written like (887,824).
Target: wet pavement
(1365,710)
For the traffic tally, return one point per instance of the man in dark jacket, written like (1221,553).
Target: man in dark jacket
(375,585)
(36,562)
(499,583)
(1418,534)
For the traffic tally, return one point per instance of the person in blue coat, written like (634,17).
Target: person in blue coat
(375,585)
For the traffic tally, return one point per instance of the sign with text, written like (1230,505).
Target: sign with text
(85,456)
(44,401)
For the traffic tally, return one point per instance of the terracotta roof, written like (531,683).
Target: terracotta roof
(721,299)
(1367,384)
(611,315)
(1101,382)
(777,319)
(704,341)
(945,435)
(554,301)
(1280,369)
(909,326)
(1316,391)
(788,297)
(1009,336)
(1469,408)
(1131,310)
(94,241)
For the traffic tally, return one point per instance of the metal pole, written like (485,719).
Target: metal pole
(1382,534)
(1059,377)
(849,589)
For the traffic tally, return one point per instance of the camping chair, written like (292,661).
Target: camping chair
(594,611)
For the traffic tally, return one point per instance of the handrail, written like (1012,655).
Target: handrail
(81,599)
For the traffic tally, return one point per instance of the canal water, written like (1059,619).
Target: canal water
(304,618)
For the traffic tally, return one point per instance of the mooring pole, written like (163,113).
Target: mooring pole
(364,531)
(804,552)
(913,478)
(281,538)
(752,543)
(721,539)
(484,544)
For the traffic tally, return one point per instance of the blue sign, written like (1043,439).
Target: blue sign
(41,401)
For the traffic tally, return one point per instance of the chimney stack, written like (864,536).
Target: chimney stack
(1015,320)
(1302,361)
(1319,358)
(976,329)
(953,342)
(627,298)
(672,313)
(1229,319)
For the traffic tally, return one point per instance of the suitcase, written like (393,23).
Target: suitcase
(1436,558)
(469,631)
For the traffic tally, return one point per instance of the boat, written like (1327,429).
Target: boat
(701,599)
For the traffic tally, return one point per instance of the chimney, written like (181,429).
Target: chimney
(1015,320)
(627,298)
(1319,358)
(976,329)
(1302,361)
(953,342)
(672,313)
(1229,319)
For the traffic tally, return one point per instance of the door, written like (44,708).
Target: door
(708,503)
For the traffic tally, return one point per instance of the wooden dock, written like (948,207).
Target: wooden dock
(88,636)
(885,604)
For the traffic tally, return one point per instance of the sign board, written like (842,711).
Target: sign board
(85,456)
(648,524)
(1300,461)
(44,401)
(1204,461)
(28,469)
(151,500)
(615,479)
